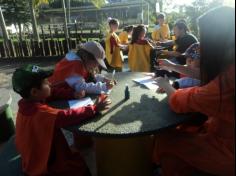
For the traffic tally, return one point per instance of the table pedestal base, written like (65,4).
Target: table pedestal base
(124,157)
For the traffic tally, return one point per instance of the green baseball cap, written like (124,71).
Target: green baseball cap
(26,77)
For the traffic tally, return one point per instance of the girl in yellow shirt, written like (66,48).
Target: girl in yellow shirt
(114,55)
(161,31)
(139,51)
(124,36)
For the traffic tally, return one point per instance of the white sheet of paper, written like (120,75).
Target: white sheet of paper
(151,85)
(75,104)
(80,103)
(147,81)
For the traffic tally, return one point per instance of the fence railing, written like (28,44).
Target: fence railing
(53,42)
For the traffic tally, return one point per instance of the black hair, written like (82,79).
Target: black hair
(217,39)
(182,21)
(129,28)
(182,25)
(161,16)
(217,47)
(136,33)
(26,92)
(113,21)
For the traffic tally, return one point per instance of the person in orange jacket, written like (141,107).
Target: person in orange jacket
(39,139)
(211,149)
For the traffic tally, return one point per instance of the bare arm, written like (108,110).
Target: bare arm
(171,53)
(191,72)
(182,69)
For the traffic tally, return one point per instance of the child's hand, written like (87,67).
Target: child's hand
(102,103)
(78,95)
(163,83)
(110,84)
(106,80)
(165,64)
(160,90)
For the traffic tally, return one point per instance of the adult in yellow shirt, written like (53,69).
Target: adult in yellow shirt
(125,35)
(161,31)
(114,55)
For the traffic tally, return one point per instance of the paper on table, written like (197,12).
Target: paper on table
(75,104)
(80,103)
(147,81)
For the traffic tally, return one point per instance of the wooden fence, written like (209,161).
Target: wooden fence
(53,42)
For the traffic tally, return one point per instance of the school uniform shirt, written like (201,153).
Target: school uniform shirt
(213,149)
(161,32)
(182,44)
(114,55)
(72,70)
(40,142)
(124,37)
(139,56)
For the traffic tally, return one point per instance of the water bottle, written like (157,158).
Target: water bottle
(127,93)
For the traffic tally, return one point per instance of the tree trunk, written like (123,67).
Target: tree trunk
(68,11)
(34,22)
(65,24)
(21,39)
(160,2)
(3,26)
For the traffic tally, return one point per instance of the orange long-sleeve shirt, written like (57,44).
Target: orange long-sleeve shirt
(40,142)
(210,150)
(207,100)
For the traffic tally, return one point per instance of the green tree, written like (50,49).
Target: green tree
(35,4)
(16,12)
(198,8)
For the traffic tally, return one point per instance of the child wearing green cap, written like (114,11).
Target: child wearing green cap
(39,138)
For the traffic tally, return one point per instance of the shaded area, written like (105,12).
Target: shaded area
(10,160)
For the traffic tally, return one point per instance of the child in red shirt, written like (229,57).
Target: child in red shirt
(39,138)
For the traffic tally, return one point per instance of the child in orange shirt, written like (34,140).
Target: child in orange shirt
(39,139)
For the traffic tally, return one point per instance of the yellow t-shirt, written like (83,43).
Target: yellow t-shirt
(114,55)
(124,37)
(162,33)
(139,57)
